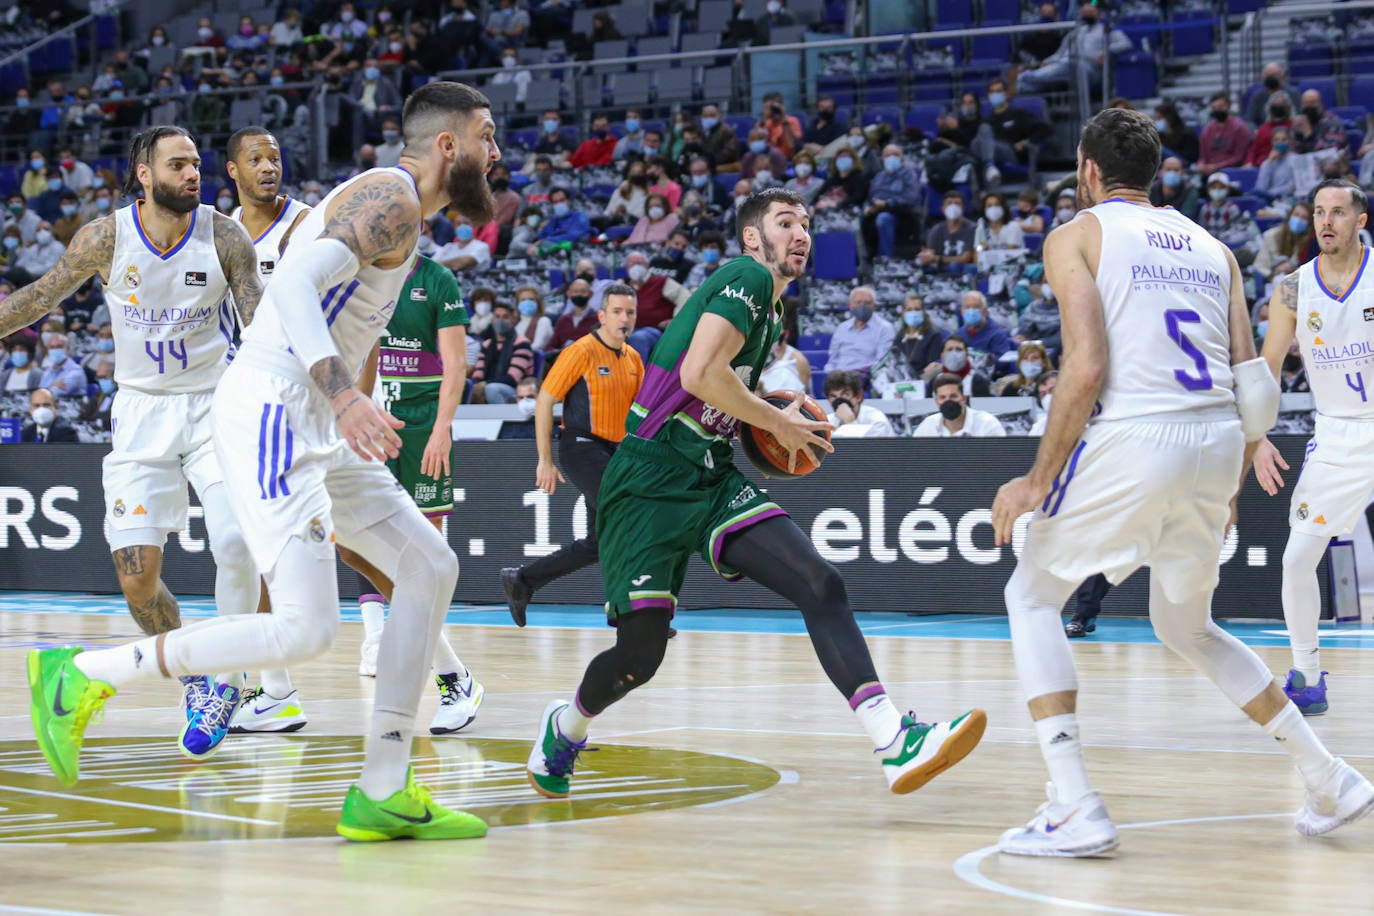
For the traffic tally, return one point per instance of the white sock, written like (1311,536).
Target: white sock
(445,662)
(119,665)
(880,719)
(1309,755)
(1309,664)
(1059,745)
(387,755)
(572,723)
(374,615)
(276,683)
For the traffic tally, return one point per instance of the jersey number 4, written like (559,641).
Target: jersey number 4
(1357,385)
(171,349)
(1203,379)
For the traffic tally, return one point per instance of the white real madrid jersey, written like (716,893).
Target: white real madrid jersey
(357,310)
(268,245)
(1336,334)
(1165,285)
(172,327)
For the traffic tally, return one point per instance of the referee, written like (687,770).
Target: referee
(596,377)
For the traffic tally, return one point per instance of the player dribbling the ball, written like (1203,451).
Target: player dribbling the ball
(672,489)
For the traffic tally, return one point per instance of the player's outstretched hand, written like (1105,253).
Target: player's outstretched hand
(1014,498)
(368,430)
(438,453)
(547,477)
(797,431)
(1267,464)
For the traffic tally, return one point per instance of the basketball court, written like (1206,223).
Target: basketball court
(736,781)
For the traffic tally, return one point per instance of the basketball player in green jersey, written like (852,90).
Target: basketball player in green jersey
(672,489)
(421,363)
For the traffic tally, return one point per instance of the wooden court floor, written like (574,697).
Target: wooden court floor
(737,782)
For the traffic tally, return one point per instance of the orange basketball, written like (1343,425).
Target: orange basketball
(765,453)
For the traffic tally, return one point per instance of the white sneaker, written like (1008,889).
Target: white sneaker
(920,752)
(367,667)
(262,712)
(1345,798)
(458,702)
(1081,828)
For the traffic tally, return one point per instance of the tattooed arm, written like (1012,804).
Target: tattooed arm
(89,253)
(240,263)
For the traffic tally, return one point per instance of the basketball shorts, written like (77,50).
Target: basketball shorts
(656,508)
(434,495)
(1134,493)
(161,443)
(289,473)
(1337,478)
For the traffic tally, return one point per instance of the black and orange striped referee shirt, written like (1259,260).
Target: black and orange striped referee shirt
(596,384)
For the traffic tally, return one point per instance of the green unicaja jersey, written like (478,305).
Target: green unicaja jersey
(409,368)
(741,292)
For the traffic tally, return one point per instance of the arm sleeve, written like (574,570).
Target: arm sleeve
(318,265)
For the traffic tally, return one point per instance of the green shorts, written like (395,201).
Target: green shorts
(434,495)
(655,510)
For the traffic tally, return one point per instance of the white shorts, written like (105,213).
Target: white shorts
(1136,492)
(1337,478)
(288,472)
(161,443)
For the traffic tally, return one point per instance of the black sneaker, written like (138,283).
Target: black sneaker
(518,594)
(1075,629)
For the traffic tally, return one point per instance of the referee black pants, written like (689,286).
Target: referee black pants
(583,461)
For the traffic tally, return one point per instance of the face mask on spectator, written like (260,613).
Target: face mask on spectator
(995,213)
(1171,179)
(803,169)
(1262,328)
(159,41)
(391,136)
(384,16)
(371,73)
(225,204)
(1278,113)
(312,197)
(913,319)
(588,276)
(951,410)
(954,212)
(1297,225)
(482,308)
(105,345)
(204,32)
(707,124)
(116,95)
(21,103)
(758,146)
(204,87)
(773,7)
(69,209)
(600,133)
(526,406)
(107,385)
(674,254)
(1220,116)
(855,141)
(1313,114)
(651,151)
(762,177)
(972,317)
(11,242)
(700,181)
(997,99)
(968,111)
(1029,369)
(863,312)
(1162,126)
(42,236)
(1218,193)
(54,184)
(532,221)
(637,273)
(710,255)
(892,163)
(20,358)
(16,209)
(501,327)
(632,125)
(550,126)
(579,301)
(44,416)
(561,208)
(656,213)
(1280,148)
(1065,214)
(844,163)
(57,357)
(527,307)
(346,16)
(463,233)
(691,211)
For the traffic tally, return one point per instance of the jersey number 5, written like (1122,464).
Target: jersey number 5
(1203,379)
(173,349)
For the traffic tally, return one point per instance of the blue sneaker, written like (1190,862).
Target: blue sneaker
(206,729)
(1311,701)
(197,689)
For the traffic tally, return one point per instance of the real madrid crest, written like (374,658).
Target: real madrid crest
(1314,322)
(1302,512)
(119,508)
(317,531)
(131,277)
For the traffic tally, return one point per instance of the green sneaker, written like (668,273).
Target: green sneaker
(553,757)
(407,813)
(64,700)
(921,752)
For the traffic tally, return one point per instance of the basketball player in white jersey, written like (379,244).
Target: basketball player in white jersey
(302,450)
(1332,313)
(253,162)
(167,263)
(1160,404)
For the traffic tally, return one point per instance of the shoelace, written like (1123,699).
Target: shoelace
(251,694)
(91,708)
(215,714)
(450,692)
(197,694)
(565,756)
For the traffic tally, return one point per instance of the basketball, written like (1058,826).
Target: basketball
(763,449)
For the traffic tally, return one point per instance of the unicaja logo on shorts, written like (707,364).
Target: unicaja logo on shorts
(1314,322)
(119,508)
(131,277)
(1302,512)
(317,533)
